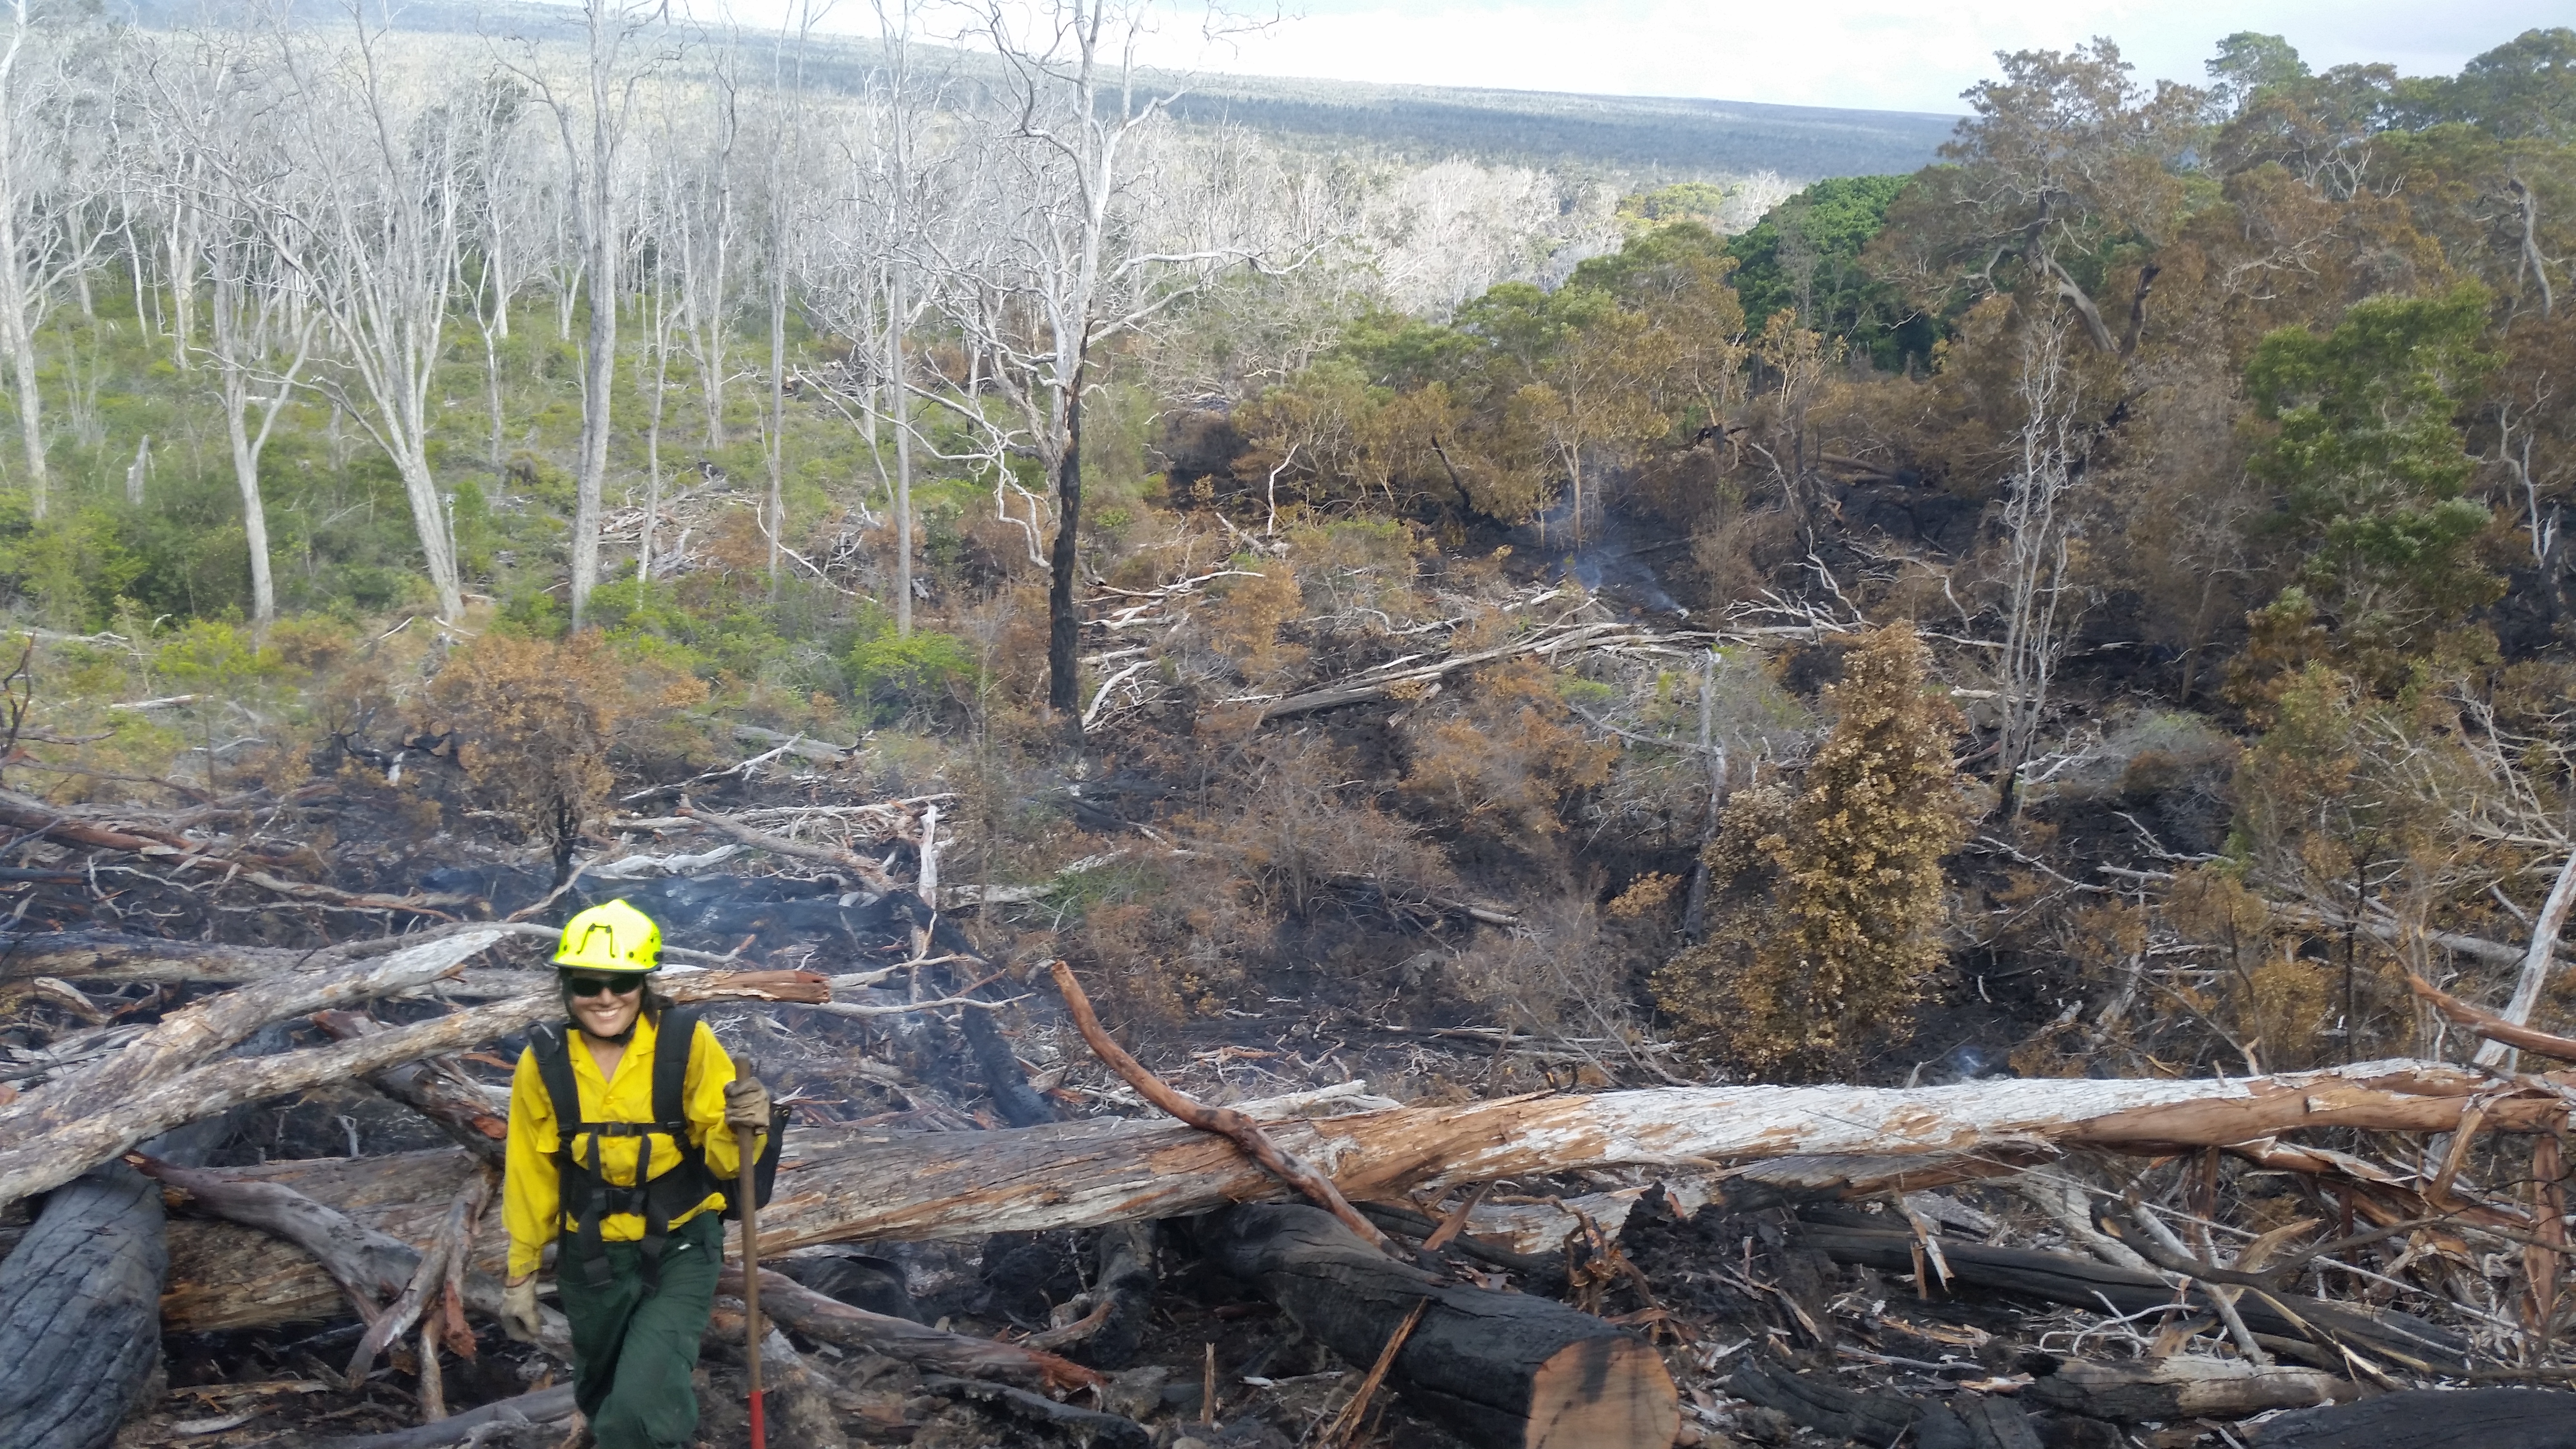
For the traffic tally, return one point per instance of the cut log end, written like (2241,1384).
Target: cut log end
(1602,1391)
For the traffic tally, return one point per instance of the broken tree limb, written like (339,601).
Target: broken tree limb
(365,1263)
(2084,1283)
(428,1279)
(784,1300)
(196,1032)
(473,1426)
(34,817)
(2535,963)
(477,1117)
(2496,1029)
(1234,1126)
(64,1149)
(1382,682)
(869,1183)
(2183,1387)
(1503,1369)
(868,871)
(1094,1426)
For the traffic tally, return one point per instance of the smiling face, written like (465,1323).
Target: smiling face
(605,1014)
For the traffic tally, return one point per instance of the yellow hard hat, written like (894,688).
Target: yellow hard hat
(613,937)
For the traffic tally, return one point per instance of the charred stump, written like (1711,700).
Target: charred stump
(1502,1369)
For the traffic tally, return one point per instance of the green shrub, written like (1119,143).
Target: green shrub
(893,676)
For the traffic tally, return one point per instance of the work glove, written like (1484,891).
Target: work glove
(519,1310)
(746,1103)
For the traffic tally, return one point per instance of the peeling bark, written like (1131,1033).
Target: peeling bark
(839,1186)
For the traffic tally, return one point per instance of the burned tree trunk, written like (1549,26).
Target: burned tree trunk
(2432,1419)
(1503,1368)
(80,1312)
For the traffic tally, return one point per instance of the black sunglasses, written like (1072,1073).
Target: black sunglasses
(593,985)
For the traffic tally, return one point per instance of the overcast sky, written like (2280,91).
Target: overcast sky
(1914,55)
(1911,55)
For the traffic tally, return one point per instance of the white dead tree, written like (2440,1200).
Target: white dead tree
(786,209)
(591,115)
(375,227)
(652,354)
(43,190)
(858,282)
(703,231)
(181,86)
(2041,606)
(1078,249)
(263,320)
(506,234)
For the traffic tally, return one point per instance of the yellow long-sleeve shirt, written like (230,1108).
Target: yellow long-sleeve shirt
(532,1191)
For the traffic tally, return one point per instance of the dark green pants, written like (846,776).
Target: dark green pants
(632,1353)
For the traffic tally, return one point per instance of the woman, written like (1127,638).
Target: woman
(619,1139)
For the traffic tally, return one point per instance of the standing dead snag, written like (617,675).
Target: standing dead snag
(1224,1121)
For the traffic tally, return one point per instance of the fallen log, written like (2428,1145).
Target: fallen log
(34,817)
(80,1312)
(1502,1369)
(1092,1425)
(2432,1419)
(57,1149)
(786,1301)
(196,1032)
(114,956)
(2493,1027)
(868,1183)
(362,1263)
(1974,1421)
(473,1426)
(2084,1283)
(2179,1387)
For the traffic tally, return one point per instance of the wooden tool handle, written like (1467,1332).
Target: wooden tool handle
(747,1206)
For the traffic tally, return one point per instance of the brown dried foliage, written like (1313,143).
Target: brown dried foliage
(1835,904)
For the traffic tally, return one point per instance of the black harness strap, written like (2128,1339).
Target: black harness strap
(587,1194)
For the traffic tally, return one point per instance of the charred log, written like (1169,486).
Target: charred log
(80,1312)
(1972,1421)
(1095,1426)
(2081,1282)
(435,1088)
(1501,1368)
(1122,1295)
(2432,1419)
